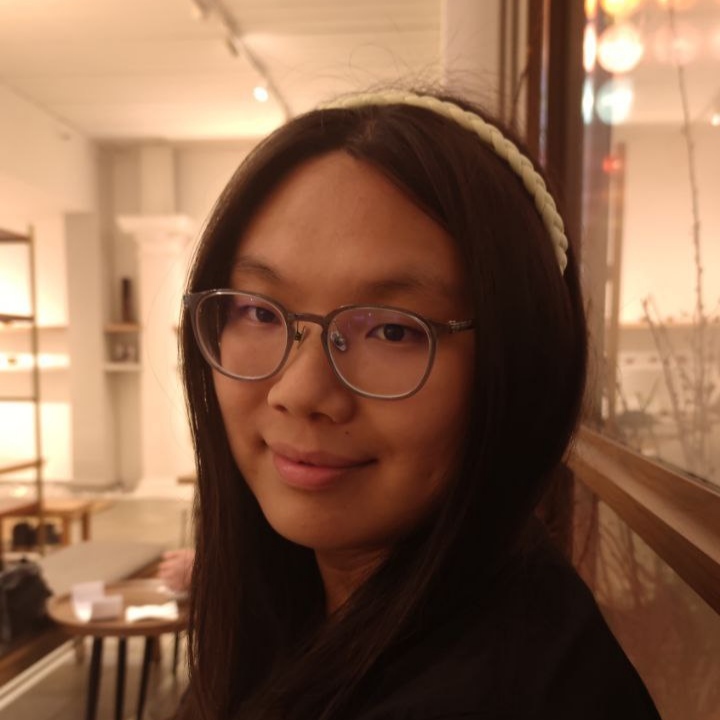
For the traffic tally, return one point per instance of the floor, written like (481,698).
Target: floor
(54,689)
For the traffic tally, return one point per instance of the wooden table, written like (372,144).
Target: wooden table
(67,510)
(134,592)
(9,507)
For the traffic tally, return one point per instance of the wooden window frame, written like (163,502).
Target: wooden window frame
(676,515)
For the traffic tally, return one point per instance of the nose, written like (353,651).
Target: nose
(307,386)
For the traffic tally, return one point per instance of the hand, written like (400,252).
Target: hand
(176,569)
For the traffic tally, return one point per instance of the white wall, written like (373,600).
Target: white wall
(38,154)
(42,152)
(203,170)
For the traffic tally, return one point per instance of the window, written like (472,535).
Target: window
(651,108)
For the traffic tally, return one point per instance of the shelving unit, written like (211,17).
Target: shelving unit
(28,322)
(122,347)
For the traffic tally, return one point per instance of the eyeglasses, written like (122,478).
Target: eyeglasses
(374,350)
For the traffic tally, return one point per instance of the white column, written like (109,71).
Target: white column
(161,242)
(93,444)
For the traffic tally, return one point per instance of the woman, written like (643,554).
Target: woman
(384,356)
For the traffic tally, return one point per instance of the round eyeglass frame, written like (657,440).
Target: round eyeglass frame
(434,329)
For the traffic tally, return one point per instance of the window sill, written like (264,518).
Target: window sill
(677,516)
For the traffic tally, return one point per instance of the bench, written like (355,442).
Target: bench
(106,560)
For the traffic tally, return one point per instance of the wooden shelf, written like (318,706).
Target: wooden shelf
(11,318)
(122,367)
(17,326)
(24,465)
(33,370)
(24,362)
(122,328)
(6,236)
(20,369)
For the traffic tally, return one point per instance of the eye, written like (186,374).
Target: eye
(244,311)
(262,315)
(395,333)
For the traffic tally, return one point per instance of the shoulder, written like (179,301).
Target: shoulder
(534,646)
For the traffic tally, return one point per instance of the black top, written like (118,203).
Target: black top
(533,647)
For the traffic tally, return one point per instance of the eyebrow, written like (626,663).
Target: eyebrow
(410,281)
(255,266)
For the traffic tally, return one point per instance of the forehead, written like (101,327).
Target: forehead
(338,223)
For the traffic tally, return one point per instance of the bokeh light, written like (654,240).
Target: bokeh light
(620,48)
(676,48)
(589,47)
(620,8)
(614,101)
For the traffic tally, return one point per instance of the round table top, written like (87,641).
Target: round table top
(134,592)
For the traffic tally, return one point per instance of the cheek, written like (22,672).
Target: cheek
(239,403)
(430,430)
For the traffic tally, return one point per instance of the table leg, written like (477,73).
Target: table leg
(66,532)
(94,679)
(85,524)
(176,653)
(120,683)
(147,657)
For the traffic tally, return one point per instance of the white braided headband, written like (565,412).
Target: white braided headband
(492,137)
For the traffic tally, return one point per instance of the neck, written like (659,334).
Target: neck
(343,572)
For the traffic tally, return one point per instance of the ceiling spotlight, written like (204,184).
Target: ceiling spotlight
(260,93)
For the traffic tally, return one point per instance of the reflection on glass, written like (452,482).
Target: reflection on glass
(650,182)
(669,633)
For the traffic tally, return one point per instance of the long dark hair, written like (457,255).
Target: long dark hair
(260,646)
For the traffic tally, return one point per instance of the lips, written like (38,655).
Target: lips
(312,470)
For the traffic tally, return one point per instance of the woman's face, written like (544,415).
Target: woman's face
(331,470)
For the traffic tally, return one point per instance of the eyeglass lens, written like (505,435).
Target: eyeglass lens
(375,350)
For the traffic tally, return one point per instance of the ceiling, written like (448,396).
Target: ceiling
(155,69)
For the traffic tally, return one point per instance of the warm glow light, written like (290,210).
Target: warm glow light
(715,42)
(678,5)
(619,7)
(589,48)
(620,48)
(614,101)
(588,101)
(611,164)
(590,9)
(715,119)
(260,93)
(678,48)
(198,9)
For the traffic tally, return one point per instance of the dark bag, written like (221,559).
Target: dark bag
(23,593)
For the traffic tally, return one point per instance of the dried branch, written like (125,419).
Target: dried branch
(699,418)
